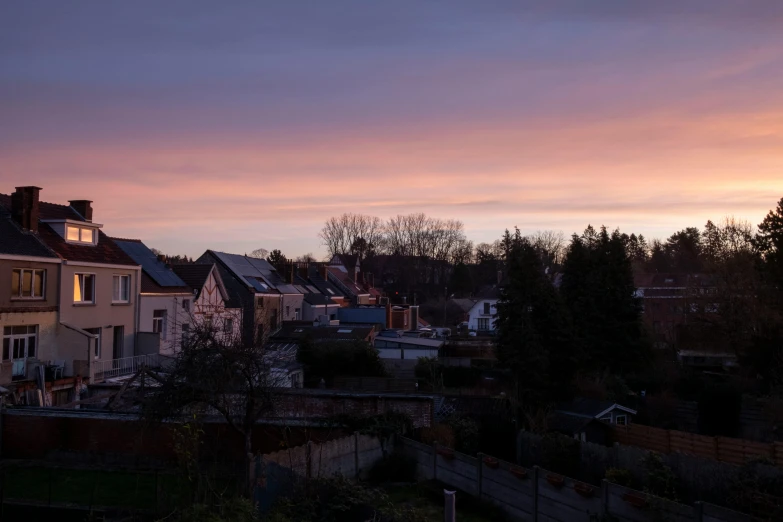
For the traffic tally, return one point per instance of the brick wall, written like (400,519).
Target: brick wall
(314,404)
(96,438)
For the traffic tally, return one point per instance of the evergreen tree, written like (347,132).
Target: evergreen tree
(599,291)
(533,330)
(769,242)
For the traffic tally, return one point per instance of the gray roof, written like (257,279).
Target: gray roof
(14,241)
(568,424)
(152,266)
(416,342)
(258,274)
(318,300)
(585,407)
(464,304)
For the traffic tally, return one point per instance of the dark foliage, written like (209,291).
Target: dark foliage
(719,411)
(327,360)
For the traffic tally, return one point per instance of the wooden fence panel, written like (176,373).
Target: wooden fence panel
(724,449)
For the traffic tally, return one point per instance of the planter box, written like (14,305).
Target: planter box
(556,480)
(636,500)
(586,490)
(491,462)
(520,473)
(446,453)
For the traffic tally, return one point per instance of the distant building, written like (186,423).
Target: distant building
(482,315)
(165,300)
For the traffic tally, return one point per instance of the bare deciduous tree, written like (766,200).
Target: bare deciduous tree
(339,233)
(218,375)
(259,253)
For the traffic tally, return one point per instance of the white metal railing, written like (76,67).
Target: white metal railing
(102,370)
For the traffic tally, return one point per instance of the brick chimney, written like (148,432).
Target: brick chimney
(83,207)
(25,207)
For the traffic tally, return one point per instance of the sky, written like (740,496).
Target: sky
(239,125)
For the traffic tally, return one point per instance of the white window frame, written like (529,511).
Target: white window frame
(81,231)
(96,349)
(159,322)
(617,420)
(32,296)
(480,321)
(94,284)
(9,338)
(121,278)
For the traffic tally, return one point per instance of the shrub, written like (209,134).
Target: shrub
(719,411)
(561,454)
(466,433)
(441,433)
(619,476)
(397,467)
(661,480)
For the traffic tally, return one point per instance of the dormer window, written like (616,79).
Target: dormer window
(80,235)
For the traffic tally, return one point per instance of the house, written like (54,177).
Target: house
(255,286)
(96,285)
(317,276)
(401,353)
(481,316)
(210,300)
(341,278)
(164,300)
(669,299)
(459,310)
(29,283)
(293,332)
(606,411)
(580,428)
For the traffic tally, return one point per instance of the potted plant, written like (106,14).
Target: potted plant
(518,472)
(637,500)
(491,462)
(586,490)
(556,480)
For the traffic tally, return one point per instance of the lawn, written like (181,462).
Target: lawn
(81,487)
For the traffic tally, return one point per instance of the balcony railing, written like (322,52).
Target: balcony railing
(102,370)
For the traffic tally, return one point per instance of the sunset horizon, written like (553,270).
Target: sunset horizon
(248,126)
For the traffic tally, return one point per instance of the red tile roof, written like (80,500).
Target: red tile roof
(105,252)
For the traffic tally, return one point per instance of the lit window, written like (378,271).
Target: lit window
(121,289)
(27,283)
(80,234)
(83,288)
(159,323)
(73,234)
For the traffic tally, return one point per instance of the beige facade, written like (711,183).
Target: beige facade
(114,322)
(28,315)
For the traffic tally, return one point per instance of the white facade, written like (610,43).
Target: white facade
(481,317)
(164,314)
(210,305)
